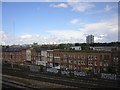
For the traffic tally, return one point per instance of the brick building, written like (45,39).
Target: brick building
(18,55)
(97,61)
(79,60)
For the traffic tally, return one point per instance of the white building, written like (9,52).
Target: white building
(42,58)
(90,39)
(104,48)
(76,48)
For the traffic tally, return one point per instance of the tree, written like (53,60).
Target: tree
(77,44)
(85,46)
(62,46)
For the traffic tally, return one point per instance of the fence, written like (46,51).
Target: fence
(68,73)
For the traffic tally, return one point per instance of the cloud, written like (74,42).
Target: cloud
(104,31)
(26,36)
(74,21)
(63,5)
(76,6)
(97,38)
(102,26)
(5,38)
(3,35)
(28,39)
(103,35)
(24,39)
(108,8)
(66,36)
(80,6)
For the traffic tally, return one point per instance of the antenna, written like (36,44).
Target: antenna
(13,32)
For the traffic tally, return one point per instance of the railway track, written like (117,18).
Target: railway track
(69,82)
(14,84)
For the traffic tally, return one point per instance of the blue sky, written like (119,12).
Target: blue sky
(60,22)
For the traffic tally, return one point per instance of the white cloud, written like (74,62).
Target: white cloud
(74,21)
(60,5)
(108,8)
(80,6)
(97,39)
(102,26)
(103,35)
(3,35)
(66,36)
(76,6)
(26,36)
(28,39)
(6,38)
(104,31)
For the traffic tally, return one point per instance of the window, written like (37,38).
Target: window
(100,57)
(64,55)
(82,63)
(75,62)
(100,63)
(92,57)
(95,63)
(107,57)
(48,55)
(51,54)
(65,60)
(89,63)
(89,57)
(50,59)
(68,55)
(84,57)
(70,66)
(78,62)
(75,67)
(95,57)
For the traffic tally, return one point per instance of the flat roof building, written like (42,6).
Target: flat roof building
(79,60)
(90,39)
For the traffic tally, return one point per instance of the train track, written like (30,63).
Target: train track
(14,84)
(69,82)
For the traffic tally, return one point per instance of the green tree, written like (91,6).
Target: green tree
(77,44)
(85,46)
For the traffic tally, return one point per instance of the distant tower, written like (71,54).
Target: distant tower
(90,39)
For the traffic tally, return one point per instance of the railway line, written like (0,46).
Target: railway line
(32,83)
(14,84)
(63,81)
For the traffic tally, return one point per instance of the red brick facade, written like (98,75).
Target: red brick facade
(72,60)
(19,56)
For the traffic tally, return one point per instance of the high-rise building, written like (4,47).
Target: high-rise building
(90,39)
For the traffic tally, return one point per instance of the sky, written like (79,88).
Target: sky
(58,22)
